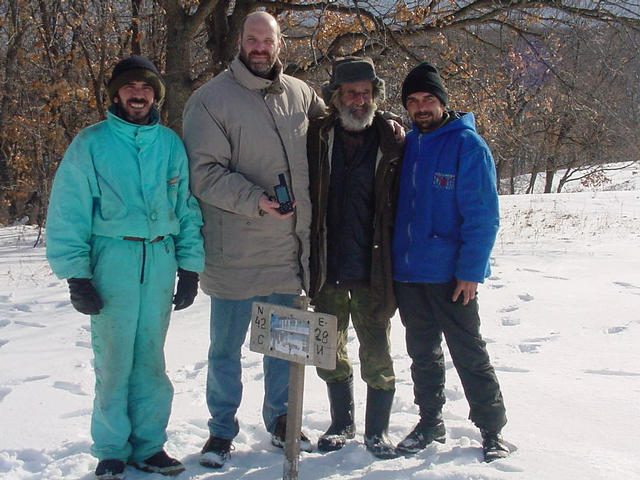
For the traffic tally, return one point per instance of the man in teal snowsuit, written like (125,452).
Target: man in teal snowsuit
(121,222)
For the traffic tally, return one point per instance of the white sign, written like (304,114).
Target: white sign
(295,335)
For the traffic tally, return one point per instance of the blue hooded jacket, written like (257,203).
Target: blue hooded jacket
(448,213)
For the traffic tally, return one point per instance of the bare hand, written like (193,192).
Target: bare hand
(467,289)
(398,130)
(271,207)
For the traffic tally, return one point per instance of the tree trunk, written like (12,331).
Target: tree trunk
(548,182)
(178,68)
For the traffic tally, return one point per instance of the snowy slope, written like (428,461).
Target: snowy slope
(561,315)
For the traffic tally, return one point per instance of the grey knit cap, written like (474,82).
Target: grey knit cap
(350,70)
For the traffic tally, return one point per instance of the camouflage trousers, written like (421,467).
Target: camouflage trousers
(376,366)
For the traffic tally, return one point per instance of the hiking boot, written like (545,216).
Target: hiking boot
(110,470)
(342,412)
(376,423)
(160,463)
(215,452)
(421,436)
(279,434)
(493,447)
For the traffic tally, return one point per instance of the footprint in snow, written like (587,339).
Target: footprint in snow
(525,297)
(29,324)
(613,330)
(626,285)
(83,344)
(200,365)
(70,387)
(3,342)
(5,298)
(4,323)
(553,277)
(539,339)
(496,286)
(4,391)
(35,378)
(510,308)
(510,322)
(529,347)
(615,373)
(21,307)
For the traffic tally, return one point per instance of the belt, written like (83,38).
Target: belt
(140,239)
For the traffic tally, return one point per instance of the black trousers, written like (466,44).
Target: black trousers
(427,312)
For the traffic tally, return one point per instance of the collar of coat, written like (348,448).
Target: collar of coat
(133,132)
(248,79)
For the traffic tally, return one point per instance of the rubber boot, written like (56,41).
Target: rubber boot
(377,423)
(342,413)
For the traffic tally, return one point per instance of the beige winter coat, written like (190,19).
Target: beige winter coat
(241,131)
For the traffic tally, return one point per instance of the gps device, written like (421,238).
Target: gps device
(283,196)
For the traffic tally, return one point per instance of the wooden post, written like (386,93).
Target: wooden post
(294,421)
(302,338)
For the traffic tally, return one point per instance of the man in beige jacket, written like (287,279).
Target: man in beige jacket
(243,130)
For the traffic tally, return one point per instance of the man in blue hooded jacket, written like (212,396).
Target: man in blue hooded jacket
(121,222)
(446,225)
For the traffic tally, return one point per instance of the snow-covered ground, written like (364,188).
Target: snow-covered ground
(561,315)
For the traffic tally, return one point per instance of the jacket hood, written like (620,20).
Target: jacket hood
(248,79)
(457,121)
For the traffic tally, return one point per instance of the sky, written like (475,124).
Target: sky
(560,314)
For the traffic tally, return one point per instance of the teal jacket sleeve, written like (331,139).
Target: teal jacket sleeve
(69,217)
(189,242)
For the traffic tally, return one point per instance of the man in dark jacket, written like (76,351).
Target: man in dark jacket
(446,224)
(353,160)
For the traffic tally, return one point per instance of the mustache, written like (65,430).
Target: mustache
(258,52)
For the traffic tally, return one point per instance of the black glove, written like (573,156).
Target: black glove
(187,289)
(84,297)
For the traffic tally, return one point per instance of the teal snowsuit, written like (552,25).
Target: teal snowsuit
(118,180)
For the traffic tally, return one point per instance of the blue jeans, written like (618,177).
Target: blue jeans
(228,329)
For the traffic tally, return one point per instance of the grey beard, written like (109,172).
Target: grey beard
(353,123)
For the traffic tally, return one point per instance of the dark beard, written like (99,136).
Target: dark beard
(264,70)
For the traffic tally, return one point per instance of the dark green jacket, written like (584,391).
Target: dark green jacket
(319,147)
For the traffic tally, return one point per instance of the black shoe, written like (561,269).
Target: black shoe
(421,436)
(380,446)
(279,434)
(215,452)
(342,425)
(110,470)
(493,447)
(160,463)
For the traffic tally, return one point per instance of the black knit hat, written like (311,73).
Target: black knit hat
(350,70)
(424,78)
(139,68)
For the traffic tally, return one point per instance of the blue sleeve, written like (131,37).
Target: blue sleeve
(477,199)
(70,216)
(189,243)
